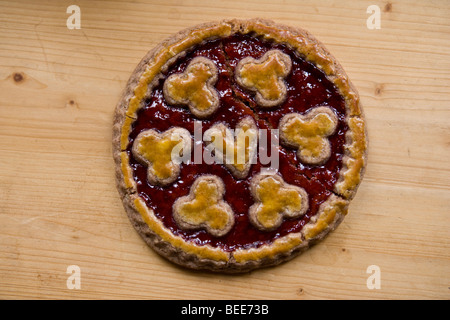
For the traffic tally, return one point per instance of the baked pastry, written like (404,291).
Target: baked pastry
(195,178)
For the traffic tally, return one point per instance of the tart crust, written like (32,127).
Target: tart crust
(147,75)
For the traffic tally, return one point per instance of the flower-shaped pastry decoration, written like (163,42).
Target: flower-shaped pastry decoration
(308,134)
(162,153)
(237,151)
(265,77)
(194,87)
(275,200)
(204,207)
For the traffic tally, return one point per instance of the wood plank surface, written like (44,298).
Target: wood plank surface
(59,205)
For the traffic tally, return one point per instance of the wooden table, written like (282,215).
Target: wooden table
(58,201)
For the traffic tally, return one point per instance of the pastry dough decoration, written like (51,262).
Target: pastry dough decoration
(308,134)
(162,153)
(204,207)
(237,151)
(194,87)
(265,76)
(275,200)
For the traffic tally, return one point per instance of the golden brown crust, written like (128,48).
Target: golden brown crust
(164,240)
(280,250)
(204,207)
(159,153)
(265,77)
(275,200)
(354,160)
(194,88)
(309,133)
(330,214)
(146,76)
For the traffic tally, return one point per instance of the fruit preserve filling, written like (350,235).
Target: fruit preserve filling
(306,88)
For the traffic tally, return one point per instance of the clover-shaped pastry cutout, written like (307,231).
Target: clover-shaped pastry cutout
(194,87)
(275,200)
(237,151)
(308,134)
(162,153)
(204,207)
(265,77)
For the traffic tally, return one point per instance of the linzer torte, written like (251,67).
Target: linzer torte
(238,144)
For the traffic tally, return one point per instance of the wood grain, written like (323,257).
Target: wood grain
(58,201)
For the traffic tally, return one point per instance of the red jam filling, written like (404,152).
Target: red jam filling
(307,87)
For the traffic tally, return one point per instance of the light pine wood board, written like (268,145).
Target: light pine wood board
(58,201)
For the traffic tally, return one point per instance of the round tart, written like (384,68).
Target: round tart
(238,144)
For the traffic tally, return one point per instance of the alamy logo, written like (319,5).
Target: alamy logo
(374,20)
(74,280)
(374,280)
(74,20)
(227,146)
